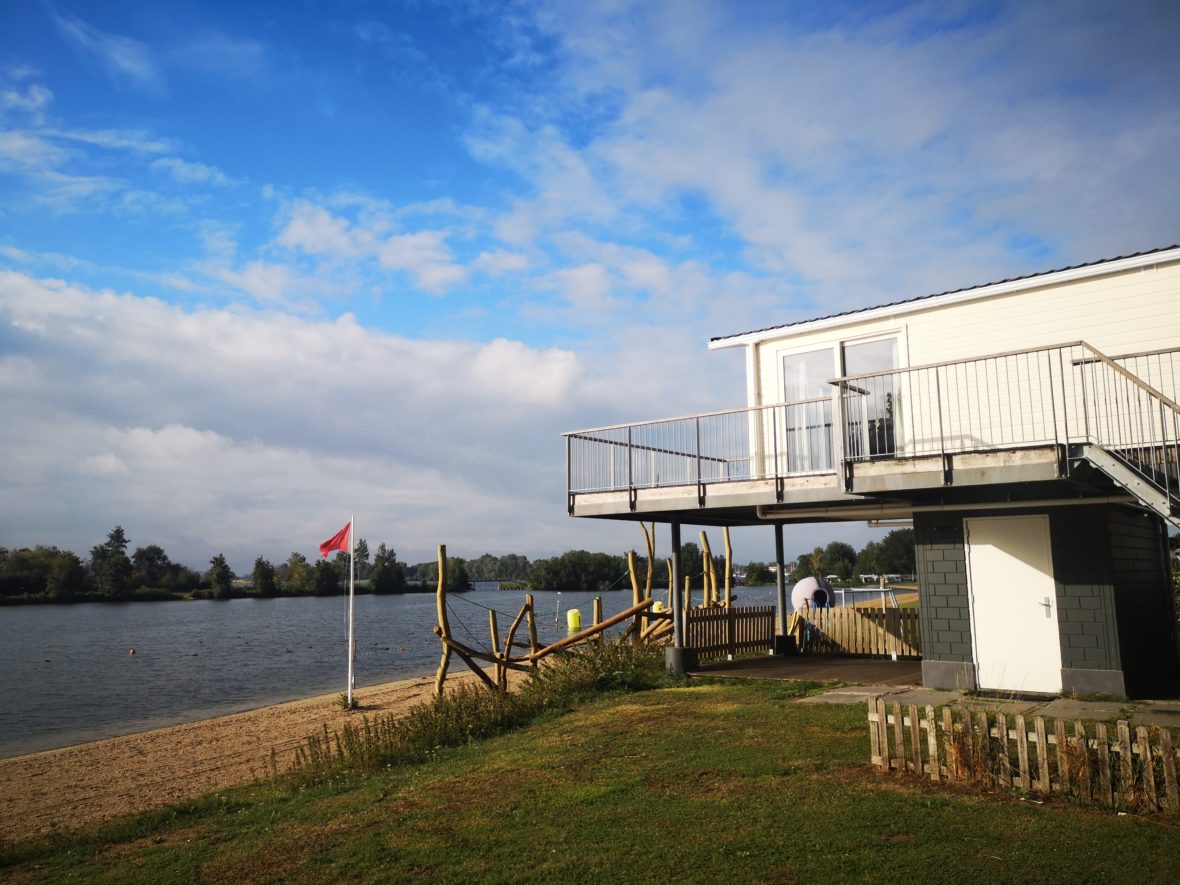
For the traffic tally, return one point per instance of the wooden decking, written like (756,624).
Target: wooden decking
(820,668)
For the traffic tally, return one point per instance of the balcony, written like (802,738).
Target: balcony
(1023,422)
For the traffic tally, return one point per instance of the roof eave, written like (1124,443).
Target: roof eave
(1067,275)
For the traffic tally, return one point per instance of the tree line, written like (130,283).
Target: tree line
(111,573)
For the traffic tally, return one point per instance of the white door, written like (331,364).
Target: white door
(1013,603)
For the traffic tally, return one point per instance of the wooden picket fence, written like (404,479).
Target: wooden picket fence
(1133,768)
(849,631)
(719,631)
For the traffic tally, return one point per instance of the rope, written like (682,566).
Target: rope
(461,624)
(481,605)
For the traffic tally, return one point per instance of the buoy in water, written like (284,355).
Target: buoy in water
(573,620)
(131,652)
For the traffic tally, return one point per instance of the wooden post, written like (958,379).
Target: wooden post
(1126,766)
(1022,752)
(1104,785)
(649,541)
(1062,755)
(1042,756)
(883,732)
(636,596)
(1171,793)
(954,760)
(987,766)
(1147,767)
(443,629)
(492,625)
(532,616)
(899,737)
(1005,772)
(916,739)
(932,743)
(708,572)
(1083,750)
(874,734)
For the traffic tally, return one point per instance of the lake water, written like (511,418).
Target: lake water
(69,677)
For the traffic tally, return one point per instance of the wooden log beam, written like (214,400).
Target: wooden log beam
(590,631)
(462,650)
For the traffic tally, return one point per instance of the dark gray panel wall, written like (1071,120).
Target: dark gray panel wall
(942,579)
(1143,601)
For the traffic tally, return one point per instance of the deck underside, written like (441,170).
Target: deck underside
(880,489)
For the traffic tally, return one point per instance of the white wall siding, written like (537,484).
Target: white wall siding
(1126,312)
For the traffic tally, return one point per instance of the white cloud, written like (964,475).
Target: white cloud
(126,59)
(33,99)
(186,172)
(497,262)
(426,256)
(251,428)
(315,230)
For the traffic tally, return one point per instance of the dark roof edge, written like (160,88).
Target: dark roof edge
(1031,276)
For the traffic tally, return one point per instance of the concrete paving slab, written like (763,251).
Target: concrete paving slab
(1100,711)
(923,696)
(1162,718)
(1007,706)
(849,694)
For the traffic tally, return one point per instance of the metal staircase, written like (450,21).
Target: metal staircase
(1131,432)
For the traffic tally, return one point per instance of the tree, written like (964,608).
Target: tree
(867,561)
(387,575)
(759,574)
(111,566)
(220,577)
(692,561)
(40,571)
(839,559)
(295,575)
(458,581)
(67,577)
(325,579)
(149,566)
(361,551)
(896,556)
(263,578)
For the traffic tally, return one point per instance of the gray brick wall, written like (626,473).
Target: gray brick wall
(1085,608)
(942,579)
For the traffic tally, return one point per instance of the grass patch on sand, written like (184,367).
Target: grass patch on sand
(725,781)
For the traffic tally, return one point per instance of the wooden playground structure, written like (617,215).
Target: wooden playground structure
(651,619)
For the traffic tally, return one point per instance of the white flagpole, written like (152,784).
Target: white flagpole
(351,573)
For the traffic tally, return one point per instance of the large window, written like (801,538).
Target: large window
(870,404)
(807,416)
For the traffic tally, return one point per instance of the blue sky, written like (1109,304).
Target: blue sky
(265,264)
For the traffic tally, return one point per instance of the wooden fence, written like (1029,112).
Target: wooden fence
(1133,768)
(719,631)
(849,631)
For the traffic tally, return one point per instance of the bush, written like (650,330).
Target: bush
(469,712)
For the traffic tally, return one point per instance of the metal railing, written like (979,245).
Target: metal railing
(1058,395)
(740,444)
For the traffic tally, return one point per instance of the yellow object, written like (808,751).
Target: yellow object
(658,606)
(573,620)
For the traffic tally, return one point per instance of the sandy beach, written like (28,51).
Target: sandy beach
(72,787)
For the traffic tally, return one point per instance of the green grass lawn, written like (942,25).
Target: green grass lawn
(728,782)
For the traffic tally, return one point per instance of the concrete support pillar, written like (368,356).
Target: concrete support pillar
(783,644)
(780,579)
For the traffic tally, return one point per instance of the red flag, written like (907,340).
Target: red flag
(338,541)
